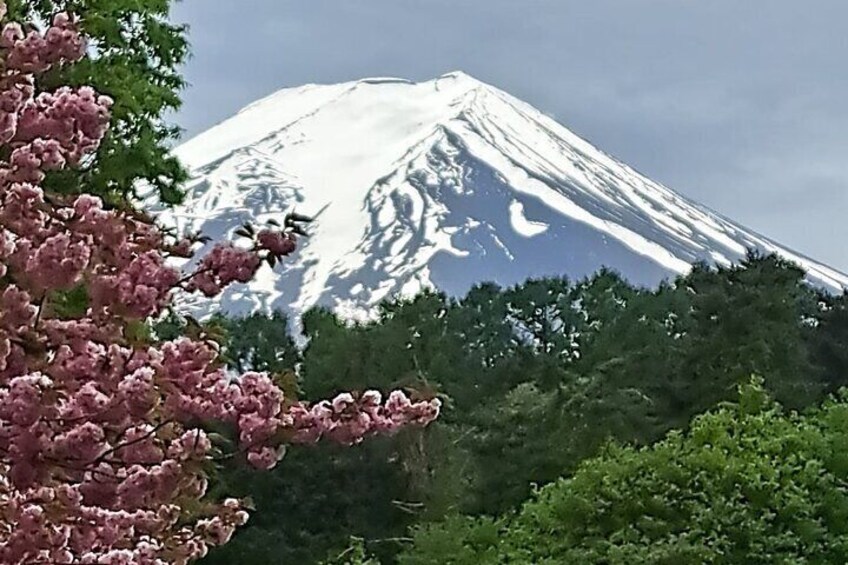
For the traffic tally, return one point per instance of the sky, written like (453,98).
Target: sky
(741,105)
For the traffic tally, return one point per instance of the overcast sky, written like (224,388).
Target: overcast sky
(739,104)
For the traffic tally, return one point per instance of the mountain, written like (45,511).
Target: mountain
(443,183)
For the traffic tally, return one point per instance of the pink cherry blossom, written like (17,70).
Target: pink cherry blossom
(223,265)
(278,243)
(102,448)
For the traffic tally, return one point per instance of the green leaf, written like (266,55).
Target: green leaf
(71,303)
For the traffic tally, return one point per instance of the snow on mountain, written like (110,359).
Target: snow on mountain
(442,183)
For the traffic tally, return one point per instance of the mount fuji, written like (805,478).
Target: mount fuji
(442,184)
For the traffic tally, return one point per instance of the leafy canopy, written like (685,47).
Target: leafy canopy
(747,483)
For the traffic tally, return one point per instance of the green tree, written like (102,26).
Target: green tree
(518,441)
(458,540)
(134,57)
(828,340)
(259,342)
(536,379)
(746,484)
(296,519)
(354,554)
(299,520)
(748,319)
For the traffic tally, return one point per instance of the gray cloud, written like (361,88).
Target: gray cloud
(739,105)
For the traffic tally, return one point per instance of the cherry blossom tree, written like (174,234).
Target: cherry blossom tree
(106,436)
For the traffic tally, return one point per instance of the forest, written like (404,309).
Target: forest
(556,395)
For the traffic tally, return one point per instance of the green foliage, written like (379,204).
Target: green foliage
(751,316)
(827,342)
(458,540)
(310,504)
(746,484)
(135,54)
(536,379)
(355,554)
(259,343)
(169,327)
(69,304)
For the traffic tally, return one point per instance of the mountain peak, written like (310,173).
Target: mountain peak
(384,80)
(443,183)
(424,104)
(459,75)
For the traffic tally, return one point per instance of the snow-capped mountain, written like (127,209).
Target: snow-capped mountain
(443,183)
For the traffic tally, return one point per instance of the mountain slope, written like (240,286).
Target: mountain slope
(442,183)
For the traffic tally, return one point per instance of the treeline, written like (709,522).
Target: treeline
(536,379)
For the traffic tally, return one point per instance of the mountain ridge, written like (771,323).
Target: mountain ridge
(442,183)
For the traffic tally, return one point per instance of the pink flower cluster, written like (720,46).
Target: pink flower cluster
(103,452)
(224,265)
(347,420)
(74,119)
(276,242)
(36,52)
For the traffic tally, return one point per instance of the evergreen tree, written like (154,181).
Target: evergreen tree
(748,319)
(828,341)
(259,342)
